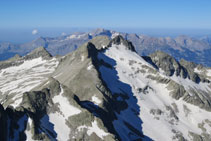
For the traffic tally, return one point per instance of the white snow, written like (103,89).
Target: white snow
(206,71)
(82,58)
(209,72)
(59,117)
(28,132)
(71,37)
(96,100)
(60,126)
(196,70)
(156,98)
(16,80)
(94,129)
(114,35)
(90,67)
(74,36)
(66,108)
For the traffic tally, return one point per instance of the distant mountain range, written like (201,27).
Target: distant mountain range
(104,91)
(191,49)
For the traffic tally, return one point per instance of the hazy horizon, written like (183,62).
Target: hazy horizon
(23,21)
(22,35)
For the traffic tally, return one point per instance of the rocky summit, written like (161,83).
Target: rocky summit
(104,91)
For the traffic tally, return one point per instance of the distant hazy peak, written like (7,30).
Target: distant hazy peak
(101,31)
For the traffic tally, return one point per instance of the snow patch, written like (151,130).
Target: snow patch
(60,126)
(71,37)
(59,117)
(94,129)
(114,35)
(82,58)
(89,67)
(28,132)
(196,70)
(65,107)
(209,72)
(96,100)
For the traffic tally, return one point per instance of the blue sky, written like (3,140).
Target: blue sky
(106,13)
(16,15)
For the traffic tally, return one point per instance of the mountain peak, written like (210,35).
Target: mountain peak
(103,88)
(118,40)
(166,62)
(38,52)
(101,31)
(171,66)
(16,57)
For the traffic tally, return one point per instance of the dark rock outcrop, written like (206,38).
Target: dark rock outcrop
(120,40)
(3,124)
(168,64)
(171,66)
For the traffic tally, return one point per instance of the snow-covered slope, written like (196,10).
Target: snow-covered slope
(163,117)
(104,91)
(16,80)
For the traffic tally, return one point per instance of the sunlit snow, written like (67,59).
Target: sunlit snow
(16,80)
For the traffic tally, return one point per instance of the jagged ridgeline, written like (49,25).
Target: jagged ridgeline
(192,49)
(104,91)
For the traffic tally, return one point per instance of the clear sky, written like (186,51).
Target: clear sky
(106,13)
(16,15)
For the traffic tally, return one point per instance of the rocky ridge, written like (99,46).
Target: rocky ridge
(111,93)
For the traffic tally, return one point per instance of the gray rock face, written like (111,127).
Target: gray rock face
(202,137)
(78,73)
(190,66)
(100,42)
(120,40)
(177,91)
(171,66)
(167,63)
(38,52)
